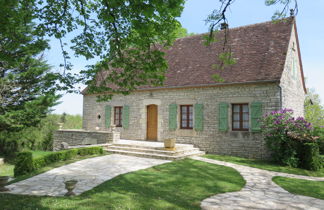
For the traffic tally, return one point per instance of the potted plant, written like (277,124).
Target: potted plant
(70,185)
(169,143)
(3,183)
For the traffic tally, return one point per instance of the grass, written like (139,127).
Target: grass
(266,165)
(37,154)
(176,185)
(6,169)
(301,187)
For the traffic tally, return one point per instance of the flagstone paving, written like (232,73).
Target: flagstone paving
(260,192)
(89,173)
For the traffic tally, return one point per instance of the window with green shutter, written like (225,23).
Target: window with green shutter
(223,116)
(199,117)
(107,116)
(256,114)
(125,117)
(173,117)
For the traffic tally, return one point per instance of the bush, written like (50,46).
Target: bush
(24,163)
(291,140)
(90,151)
(319,132)
(23,167)
(310,158)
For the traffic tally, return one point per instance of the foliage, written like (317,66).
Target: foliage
(266,165)
(319,132)
(314,110)
(39,137)
(26,164)
(309,156)
(301,186)
(127,37)
(289,139)
(176,185)
(27,87)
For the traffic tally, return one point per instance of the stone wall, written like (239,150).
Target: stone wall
(82,137)
(239,143)
(293,94)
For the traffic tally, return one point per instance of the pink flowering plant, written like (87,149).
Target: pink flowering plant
(284,133)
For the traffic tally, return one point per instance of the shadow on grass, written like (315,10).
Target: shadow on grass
(177,185)
(266,165)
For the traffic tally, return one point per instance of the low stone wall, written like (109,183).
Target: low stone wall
(83,137)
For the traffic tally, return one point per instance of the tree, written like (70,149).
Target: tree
(314,110)
(128,36)
(27,87)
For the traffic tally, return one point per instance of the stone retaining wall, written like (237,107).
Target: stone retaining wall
(83,137)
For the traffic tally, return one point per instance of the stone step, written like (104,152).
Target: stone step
(155,156)
(179,151)
(158,146)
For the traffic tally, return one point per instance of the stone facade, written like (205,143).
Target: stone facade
(82,137)
(293,94)
(286,92)
(239,143)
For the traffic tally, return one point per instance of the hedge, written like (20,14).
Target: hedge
(25,163)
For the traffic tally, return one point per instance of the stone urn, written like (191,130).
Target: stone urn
(69,186)
(169,143)
(3,183)
(60,126)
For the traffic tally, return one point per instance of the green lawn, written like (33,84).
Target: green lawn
(6,170)
(266,165)
(177,185)
(301,187)
(37,154)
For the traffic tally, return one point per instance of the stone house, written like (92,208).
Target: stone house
(218,117)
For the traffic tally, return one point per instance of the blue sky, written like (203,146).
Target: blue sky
(310,25)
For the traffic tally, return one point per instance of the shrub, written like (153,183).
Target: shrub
(290,140)
(24,163)
(309,156)
(319,132)
(90,151)
(24,167)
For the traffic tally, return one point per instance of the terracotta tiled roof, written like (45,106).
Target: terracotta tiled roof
(259,50)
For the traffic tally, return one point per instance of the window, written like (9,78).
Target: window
(240,117)
(186,116)
(118,116)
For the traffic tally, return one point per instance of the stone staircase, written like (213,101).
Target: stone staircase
(153,150)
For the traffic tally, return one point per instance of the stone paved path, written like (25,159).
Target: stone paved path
(89,172)
(260,192)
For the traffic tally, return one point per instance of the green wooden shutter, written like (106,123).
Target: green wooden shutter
(223,116)
(107,115)
(199,117)
(125,116)
(256,114)
(173,117)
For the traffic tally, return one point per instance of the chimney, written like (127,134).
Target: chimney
(224,26)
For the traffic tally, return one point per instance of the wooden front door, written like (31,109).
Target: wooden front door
(152,122)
